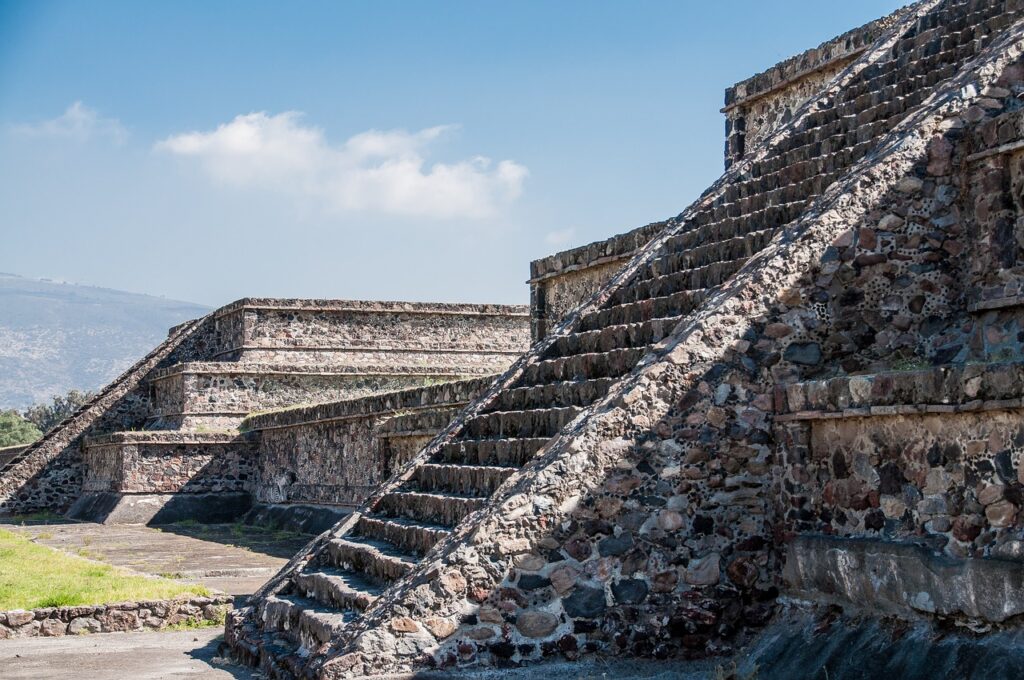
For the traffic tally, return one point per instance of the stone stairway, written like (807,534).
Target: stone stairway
(290,628)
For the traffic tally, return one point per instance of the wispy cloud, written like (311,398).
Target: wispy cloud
(559,237)
(79,123)
(374,171)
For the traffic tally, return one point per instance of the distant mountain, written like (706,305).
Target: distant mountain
(57,336)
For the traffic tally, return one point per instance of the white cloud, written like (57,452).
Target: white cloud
(79,123)
(374,171)
(560,237)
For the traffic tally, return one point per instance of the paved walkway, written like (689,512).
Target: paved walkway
(190,654)
(231,558)
(193,655)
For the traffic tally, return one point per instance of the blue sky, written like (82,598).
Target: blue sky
(208,151)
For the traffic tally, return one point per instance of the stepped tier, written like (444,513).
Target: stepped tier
(221,394)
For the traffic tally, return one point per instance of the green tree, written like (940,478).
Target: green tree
(15,430)
(46,416)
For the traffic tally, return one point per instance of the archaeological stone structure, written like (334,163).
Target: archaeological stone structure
(795,407)
(784,428)
(166,441)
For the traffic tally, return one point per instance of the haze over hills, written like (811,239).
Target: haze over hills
(57,336)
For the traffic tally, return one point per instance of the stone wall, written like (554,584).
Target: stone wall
(121,617)
(168,462)
(561,282)
(257,354)
(335,454)
(931,455)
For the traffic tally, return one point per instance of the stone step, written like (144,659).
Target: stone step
(677,281)
(737,225)
(612,364)
(419,421)
(464,479)
(519,424)
(413,537)
(705,255)
(553,395)
(276,654)
(375,559)
(614,337)
(639,308)
(337,588)
(668,295)
(445,510)
(495,452)
(305,620)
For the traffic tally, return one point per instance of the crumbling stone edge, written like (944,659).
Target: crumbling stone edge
(120,617)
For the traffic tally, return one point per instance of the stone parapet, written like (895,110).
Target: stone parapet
(220,394)
(168,462)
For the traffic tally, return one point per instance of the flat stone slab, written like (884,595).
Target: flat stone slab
(233,558)
(140,656)
(901,578)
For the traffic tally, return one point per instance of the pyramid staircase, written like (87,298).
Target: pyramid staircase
(290,627)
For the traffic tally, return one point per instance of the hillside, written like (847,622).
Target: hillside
(56,336)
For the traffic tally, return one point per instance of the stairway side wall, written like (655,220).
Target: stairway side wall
(336,454)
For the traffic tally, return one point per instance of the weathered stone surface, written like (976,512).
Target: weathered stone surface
(894,577)
(704,572)
(19,617)
(862,220)
(536,624)
(630,591)
(439,627)
(585,602)
(52,628)
(805,353)
(404,624)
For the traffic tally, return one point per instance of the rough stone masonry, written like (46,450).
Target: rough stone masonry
(805,387)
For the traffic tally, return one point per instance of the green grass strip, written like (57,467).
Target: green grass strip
(33,576)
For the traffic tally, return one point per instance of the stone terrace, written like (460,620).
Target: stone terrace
(166,431)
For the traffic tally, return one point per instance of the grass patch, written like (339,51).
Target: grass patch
(200,622)
(33,576)
(33,517)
